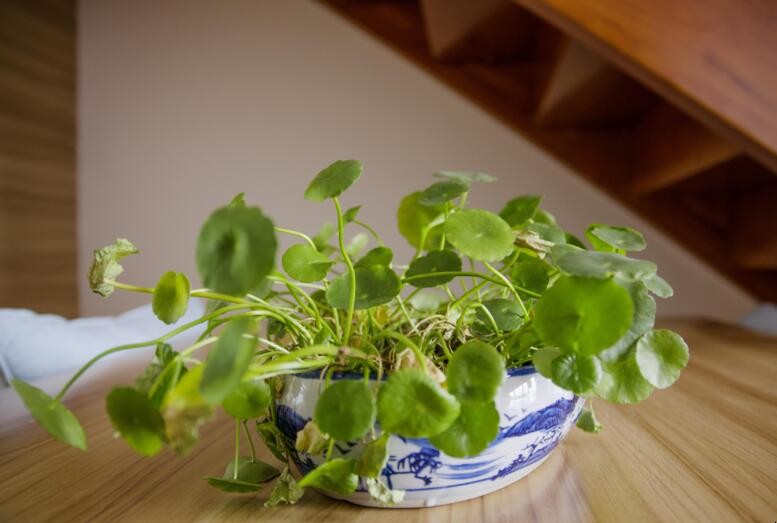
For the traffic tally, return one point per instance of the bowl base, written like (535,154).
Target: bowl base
(436,497)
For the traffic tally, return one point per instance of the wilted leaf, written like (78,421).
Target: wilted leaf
(105,266)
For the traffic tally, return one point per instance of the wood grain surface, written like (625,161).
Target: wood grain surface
(715,59)
(38,155)
(704,450)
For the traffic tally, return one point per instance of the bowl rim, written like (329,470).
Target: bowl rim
(317,374)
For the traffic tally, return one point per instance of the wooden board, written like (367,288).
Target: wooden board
(714,59)
(37,155)
(704,450)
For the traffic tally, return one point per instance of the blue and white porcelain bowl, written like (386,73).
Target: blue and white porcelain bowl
(535,415)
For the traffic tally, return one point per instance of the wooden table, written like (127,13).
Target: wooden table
(705,450)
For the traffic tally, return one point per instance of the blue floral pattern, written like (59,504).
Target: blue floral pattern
(427,469)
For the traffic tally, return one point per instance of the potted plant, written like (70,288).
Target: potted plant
(386,384)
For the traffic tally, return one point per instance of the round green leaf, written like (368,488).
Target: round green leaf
(593,264)
(345,410)
(228,361)
(427,300)
(520,210)
(543,360)
(249,478)
(336,475)
(249,400)
(531,274)
(622,382)
(375,285)
(643,320)
(332,181)
(576,372)
(479,234)
(50,414)
(413,218)
(357,244)
(171,297)
(374,457)
(659,286)
(442,192)
(377,256)
(583,315)
(431,263)
(661,355)
(475,372)
(507,314)
(619,238)
(136,419)
(184,410)
(236,250)
(412,405)
(476,427)
(541,216)
(304,263)
(549,233)
(467,177)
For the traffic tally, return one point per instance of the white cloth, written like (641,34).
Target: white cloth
(762,319)
(35,345)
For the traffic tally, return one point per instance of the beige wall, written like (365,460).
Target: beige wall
(184,104)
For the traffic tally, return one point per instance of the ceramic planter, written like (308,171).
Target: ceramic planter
(535,415)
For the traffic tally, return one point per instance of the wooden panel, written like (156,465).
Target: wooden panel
(714,59)
(37,155)
(754,235)
(605,155)
(585,89)
(485,31)
(670,147)
(704,448)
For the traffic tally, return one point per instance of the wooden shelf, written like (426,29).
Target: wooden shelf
(577,80)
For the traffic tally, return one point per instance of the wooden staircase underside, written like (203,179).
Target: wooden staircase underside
(670,106)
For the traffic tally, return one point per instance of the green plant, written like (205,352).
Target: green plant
(531,293)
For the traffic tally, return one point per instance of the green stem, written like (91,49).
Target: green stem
(404,311)
(142,344)
(197,293)
(237,449)
(330,448)
(250,440)
(442,236)
(351,273)
(369,229)
(509,286)
(297,234)
(490,317)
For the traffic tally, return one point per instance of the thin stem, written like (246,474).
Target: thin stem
(197,293)
(297,234)
(141,344)
(509,286)
(330,448)
(442,236)
(369,229)
(237,449)
(351,273)
(250,440)
(404,311)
